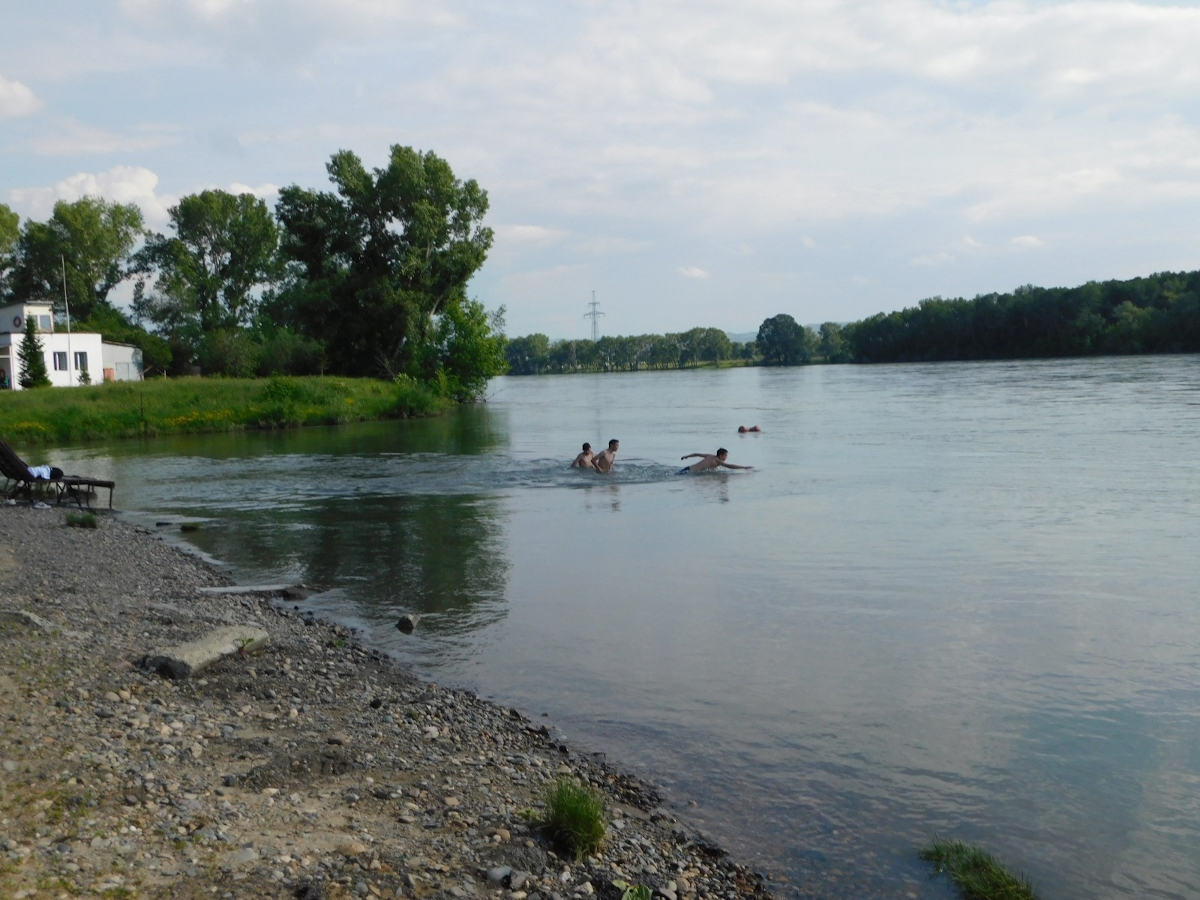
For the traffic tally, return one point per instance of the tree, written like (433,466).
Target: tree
(831,346)
(211,273)
(33,359)
(374,265)
(527,355)
(470,345)
(782,342)
(9,232)
(91,239)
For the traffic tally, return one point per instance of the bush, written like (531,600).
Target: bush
(284,352)
(232,353)
(574,818)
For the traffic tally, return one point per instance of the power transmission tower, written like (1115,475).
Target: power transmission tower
(594,314)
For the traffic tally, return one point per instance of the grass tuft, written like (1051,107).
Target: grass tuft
(82,520)
(574,818)
(976,873)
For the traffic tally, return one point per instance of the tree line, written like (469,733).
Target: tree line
(780,341)
(1155,314)
(366,279)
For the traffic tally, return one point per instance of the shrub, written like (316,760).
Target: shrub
(574,817)
(82,520)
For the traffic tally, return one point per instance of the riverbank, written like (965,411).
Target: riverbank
(312,768)
(195,405)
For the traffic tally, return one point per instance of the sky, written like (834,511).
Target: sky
(683,163)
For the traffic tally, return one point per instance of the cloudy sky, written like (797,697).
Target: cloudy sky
(693,163)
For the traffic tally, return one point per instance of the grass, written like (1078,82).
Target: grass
(574,818)
(161,406)
(82,520)
(976,873)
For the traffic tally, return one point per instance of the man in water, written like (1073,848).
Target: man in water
(585,459)
(604,461)
(709,461)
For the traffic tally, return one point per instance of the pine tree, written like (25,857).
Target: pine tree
(33,362)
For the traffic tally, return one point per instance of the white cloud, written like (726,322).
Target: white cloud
(263,191)
(693,272)
(16,99)
(123,184)
(1027,242)
(528,235)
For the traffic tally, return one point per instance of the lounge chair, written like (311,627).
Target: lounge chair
(19,478)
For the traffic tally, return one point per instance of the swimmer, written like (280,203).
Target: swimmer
(742,429)
(585,458)
(709,461)
(603,462)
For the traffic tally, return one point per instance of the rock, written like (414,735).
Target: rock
(408,623)
(187,659)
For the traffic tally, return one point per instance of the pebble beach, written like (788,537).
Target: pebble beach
(310,767)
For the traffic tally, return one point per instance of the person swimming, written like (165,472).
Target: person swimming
(603,461)
(709,461)
(742,429)
(585,459)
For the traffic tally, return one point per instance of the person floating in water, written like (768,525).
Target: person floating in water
(742,429)
(585,458)
(603,461)
(709,461)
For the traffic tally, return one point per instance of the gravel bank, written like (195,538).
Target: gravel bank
(314,768)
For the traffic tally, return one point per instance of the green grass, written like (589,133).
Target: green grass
(976,873)
(161,406)
(82,520)
(574,818)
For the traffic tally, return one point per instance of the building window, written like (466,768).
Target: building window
(60,361)
(43,323)
(81,361)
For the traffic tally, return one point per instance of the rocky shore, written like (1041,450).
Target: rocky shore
(310,768)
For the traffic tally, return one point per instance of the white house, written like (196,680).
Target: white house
(67,355)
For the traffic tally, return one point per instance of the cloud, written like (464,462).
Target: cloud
(1027,242)
(263,191)
(16,99)
(69,137)
(122,184)
(693,272)
(528,235)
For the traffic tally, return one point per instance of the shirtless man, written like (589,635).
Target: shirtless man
(603,462)
(709,461)
(585,458)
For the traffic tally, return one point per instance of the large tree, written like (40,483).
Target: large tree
(212,271)
(376,264)
(90,241)
(782,341)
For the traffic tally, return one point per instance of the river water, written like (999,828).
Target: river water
(955,599)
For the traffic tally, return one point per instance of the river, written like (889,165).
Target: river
(956,599)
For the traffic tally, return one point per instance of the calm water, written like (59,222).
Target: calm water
(959,599)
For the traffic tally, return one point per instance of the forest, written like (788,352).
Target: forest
(1155,314)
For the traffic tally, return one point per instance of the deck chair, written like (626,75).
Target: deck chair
(19,478)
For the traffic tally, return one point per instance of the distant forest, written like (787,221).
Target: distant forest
(1155,314)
